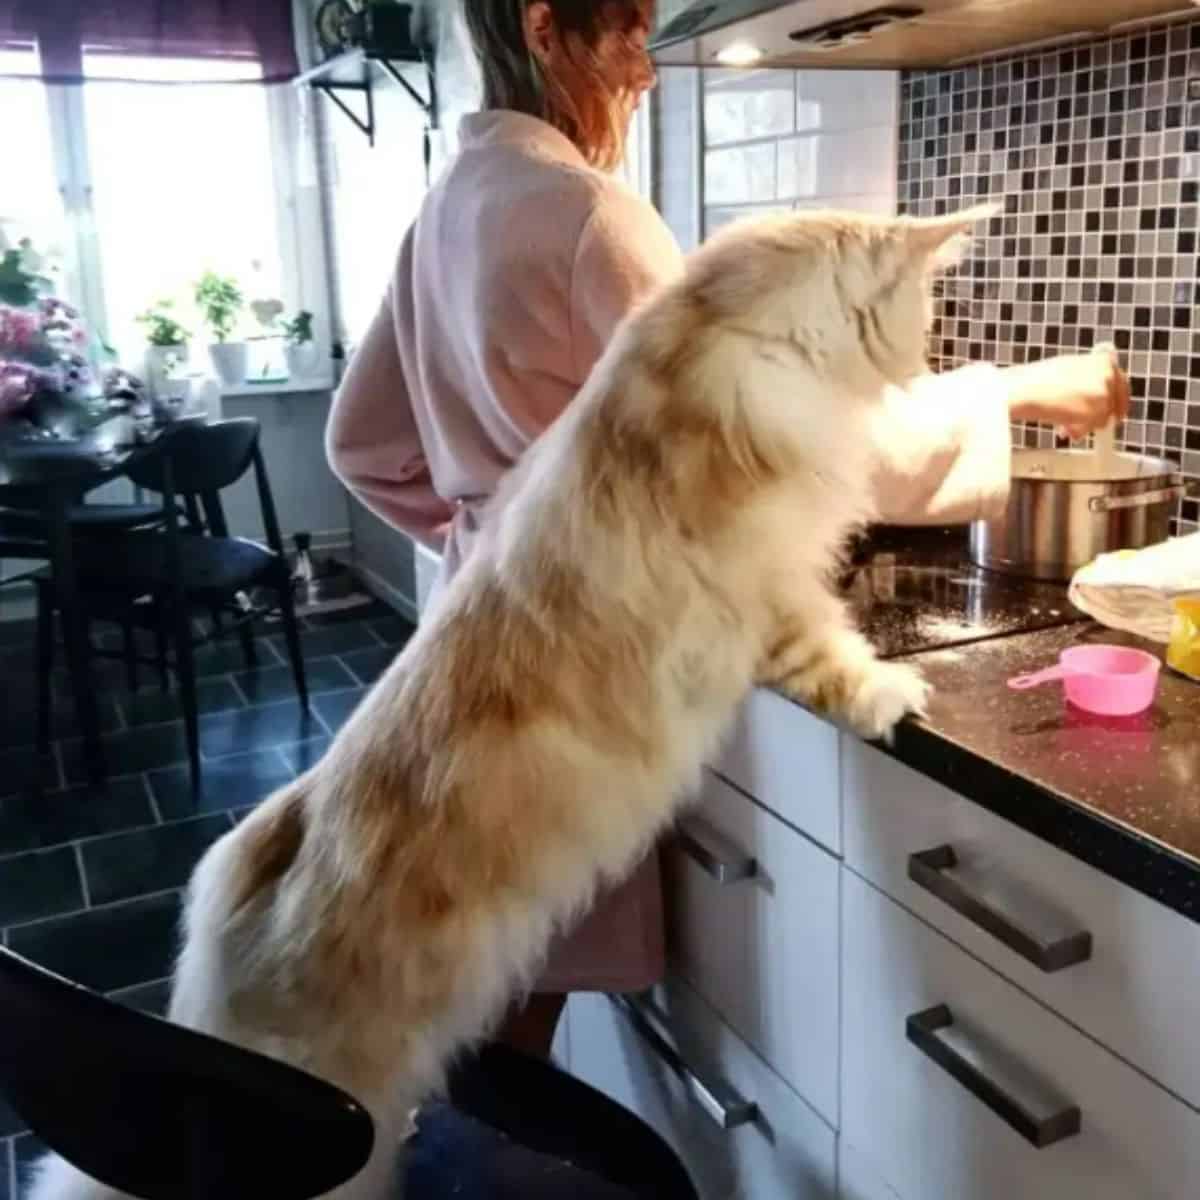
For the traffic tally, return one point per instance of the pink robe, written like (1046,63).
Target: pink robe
(520,265)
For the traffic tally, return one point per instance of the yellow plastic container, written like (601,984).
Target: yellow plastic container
(1183,651)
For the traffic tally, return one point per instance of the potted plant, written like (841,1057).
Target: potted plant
(220,302)
(167,350)
(300,350)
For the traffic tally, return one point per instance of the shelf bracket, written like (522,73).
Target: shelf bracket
(367,126)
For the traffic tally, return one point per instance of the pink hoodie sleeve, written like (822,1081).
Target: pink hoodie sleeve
(372,441)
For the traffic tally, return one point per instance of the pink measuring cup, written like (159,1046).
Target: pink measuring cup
(1112,680)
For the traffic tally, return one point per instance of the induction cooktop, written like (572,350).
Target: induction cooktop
(915,590)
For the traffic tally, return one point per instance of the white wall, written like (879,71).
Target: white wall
(735,143)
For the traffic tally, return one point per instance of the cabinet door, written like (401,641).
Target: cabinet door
(778,1149)
(761,949)
(1136,989)
(858,1178)
(787,759)
(942,1118)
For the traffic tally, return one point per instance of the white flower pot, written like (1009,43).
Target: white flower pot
(230,360)
(163,365)
(302,360)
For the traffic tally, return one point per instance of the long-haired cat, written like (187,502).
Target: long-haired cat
(664,546)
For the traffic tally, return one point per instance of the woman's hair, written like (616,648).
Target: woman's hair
(588,111)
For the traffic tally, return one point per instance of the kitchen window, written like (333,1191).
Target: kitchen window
(154,170)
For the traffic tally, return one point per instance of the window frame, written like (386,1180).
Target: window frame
(298,208)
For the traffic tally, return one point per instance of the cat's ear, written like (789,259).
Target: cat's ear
(942,241)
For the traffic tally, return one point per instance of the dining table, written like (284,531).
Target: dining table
(49,476)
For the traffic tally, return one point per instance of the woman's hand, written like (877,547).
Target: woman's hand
(1075,392)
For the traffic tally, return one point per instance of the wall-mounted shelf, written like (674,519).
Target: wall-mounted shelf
(354,71)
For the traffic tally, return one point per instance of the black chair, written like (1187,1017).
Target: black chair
(165,1113)
(162,577)
(560,1118)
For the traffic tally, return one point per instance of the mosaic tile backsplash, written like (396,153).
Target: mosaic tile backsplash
(1094,151)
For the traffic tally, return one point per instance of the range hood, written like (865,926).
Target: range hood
(877,33)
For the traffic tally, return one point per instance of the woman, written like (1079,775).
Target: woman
(524,258)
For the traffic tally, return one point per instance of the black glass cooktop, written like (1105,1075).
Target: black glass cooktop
(916,590)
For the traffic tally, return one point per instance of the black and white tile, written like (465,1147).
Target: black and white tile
(1094,151)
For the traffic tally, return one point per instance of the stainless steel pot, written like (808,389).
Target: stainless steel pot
(1060,515)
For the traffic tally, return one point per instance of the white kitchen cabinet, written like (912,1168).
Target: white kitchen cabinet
(762,949)
(787,759)
(858,1177)
(930,1137)
(1137,990)
(783,1151)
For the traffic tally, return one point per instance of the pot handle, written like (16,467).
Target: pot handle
(1100,504)
(1022,683)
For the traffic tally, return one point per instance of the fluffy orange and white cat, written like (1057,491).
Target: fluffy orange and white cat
(667,544)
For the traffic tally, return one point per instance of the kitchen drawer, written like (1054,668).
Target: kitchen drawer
(762,950)
(782,1151)
(1137,991)
(932,1138)
(786,758)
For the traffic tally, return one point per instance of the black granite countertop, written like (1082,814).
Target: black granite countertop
(1122,794)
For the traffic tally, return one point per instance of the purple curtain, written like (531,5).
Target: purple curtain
(63,29)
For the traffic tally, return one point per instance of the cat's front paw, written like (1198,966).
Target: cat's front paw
(888,693)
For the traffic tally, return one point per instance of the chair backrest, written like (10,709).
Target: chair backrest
(205,457)
(163,1112)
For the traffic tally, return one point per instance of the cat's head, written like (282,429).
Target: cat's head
(849,293)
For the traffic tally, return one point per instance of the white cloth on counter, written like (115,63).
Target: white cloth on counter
(1134,590)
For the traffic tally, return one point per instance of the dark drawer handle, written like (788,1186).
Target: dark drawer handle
(722,1103)
(713,852)
(1040,1129)
(928,870)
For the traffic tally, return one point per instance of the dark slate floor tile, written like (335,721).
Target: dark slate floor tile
(18,720)
(257,728)
(10,1123)
(18,633)
(106,948)
(394,630)
(29,822)
(149,997)
(276,683)
(21,770)
(371,610)
(305,754)
(149,706)
(131,864)
(335,707)
(370,663)
(105,673)
(330,639)
(39,884)
(129,752)
(224,656)
(237,781)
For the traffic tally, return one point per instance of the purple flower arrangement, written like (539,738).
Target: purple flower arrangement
(43,356)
